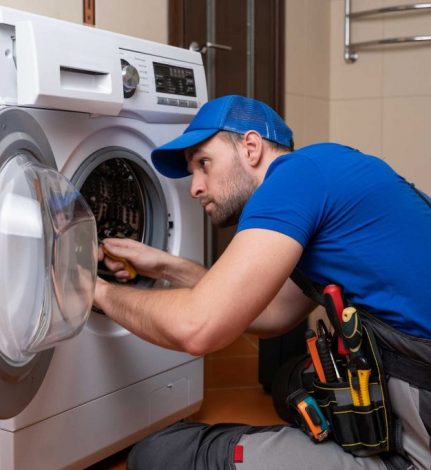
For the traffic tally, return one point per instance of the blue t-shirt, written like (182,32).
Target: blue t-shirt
(361,225)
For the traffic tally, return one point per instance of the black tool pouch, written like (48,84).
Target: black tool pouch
(358,429)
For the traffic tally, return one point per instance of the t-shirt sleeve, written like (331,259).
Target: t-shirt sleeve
(291,200)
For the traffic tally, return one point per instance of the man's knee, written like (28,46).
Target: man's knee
(169,448)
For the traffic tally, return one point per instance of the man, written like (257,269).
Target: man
(336,214)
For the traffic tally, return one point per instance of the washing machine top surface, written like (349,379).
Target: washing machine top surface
(102,73)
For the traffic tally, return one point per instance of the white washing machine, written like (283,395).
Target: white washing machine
(90,104)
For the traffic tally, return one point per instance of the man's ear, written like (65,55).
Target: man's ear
(253,144)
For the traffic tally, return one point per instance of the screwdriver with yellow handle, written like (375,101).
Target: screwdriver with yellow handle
(359,370)
(131,271)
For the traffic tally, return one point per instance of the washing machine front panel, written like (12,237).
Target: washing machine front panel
(97,125)
(48,250)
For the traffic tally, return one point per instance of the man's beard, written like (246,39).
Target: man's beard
(237,186)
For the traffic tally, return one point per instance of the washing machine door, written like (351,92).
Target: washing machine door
(48,253)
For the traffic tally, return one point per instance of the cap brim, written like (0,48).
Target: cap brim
(169,159)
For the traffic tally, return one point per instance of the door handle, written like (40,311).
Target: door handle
(194,46)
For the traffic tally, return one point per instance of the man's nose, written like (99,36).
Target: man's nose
(197,187)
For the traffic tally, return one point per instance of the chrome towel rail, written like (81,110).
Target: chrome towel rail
(350,49)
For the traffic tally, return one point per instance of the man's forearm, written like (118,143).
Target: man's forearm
(182,272)
(134,309)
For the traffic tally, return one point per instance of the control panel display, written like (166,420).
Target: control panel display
(174,80)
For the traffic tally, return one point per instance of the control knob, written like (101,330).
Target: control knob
(130,78)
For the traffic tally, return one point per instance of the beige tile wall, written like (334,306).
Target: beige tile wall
(381,104)
(69,10)
(146,19)
(307,69)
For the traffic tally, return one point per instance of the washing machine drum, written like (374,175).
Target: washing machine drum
(48,253)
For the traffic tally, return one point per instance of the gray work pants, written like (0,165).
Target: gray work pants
(197,446)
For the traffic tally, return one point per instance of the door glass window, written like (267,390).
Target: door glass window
(48,248)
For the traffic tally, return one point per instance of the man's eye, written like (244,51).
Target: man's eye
(203,162)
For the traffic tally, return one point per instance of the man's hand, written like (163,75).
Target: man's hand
(150,262)
(147,261)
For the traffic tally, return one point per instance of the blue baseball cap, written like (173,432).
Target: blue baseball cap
(229,113)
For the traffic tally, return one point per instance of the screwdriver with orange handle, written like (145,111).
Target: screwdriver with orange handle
(311,339)
(131,271)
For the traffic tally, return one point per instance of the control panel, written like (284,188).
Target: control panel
(174,80)
(163,87)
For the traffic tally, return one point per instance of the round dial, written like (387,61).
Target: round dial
(130,78)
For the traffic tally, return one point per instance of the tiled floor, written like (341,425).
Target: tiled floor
(232,393)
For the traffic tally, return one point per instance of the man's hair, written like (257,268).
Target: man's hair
(235,138)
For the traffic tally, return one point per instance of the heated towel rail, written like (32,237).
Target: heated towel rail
(351,49)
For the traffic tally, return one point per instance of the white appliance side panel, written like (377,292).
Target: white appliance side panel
(81,436)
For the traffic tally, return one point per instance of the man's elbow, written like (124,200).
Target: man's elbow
(197,345)
(197,340)
(200,335)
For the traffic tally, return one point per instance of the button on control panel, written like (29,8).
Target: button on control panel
(177,102)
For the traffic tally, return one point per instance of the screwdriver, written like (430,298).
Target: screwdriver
(131,271)
(334,306)
(352,331)
(311,339)
(358,365)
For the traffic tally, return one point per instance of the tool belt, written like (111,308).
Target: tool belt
(357,405)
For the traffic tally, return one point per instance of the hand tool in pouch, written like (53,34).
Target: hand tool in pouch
(359,371)
(352,331)
(322,332)
(329,367)
(334,305)
(312,418)
(311,338)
